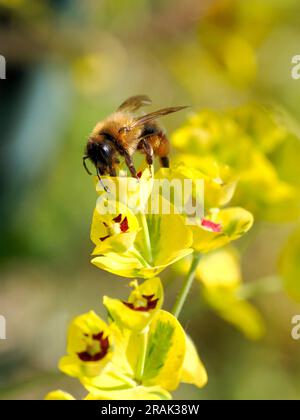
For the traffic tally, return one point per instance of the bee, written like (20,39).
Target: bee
(123,134)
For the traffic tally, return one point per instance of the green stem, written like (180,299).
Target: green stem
(143,352)
(139,257)
(129,382)
(186,287)
(147,239)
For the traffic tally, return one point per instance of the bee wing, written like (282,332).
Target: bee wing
(155,115)
(134,103)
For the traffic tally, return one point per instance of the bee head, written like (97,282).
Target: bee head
(100,150)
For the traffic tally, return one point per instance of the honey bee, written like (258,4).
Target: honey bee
(123,134)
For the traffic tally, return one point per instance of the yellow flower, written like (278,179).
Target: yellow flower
(114,227)
(220,227)
(90,346)
(162,240)
(142,354)
(219,180)
(261,151)
(161,348)
(143,304)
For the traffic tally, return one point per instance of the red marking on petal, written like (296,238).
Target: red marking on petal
(118,219)
(151,304)
(85,356)
(139,174)
(124,225)
(104,238)
(214,227)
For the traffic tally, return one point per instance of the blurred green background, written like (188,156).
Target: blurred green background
(69,64)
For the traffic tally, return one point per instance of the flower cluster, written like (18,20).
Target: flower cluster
(142,351)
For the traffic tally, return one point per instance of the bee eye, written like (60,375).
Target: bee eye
(105,151)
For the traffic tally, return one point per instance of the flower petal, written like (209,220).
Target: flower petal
(193,371)
(131,318)
(59,395)
(165,352)
(235,222)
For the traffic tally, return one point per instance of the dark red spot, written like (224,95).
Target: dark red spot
(139,174)
(105,237)
(124,225)
(118,219)
(85,356)
(214,227)
(151,304)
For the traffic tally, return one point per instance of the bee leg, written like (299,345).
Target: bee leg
(112,171)
(165,162)
(130,165)
(163,151)
(149,153)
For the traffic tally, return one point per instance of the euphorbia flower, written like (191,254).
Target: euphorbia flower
(90,344)
(162,240)
(143,304)
(259,148)
(220,227)
(164,356)
(114,227)
(107,359)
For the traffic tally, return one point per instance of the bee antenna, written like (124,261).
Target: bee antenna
(85,165)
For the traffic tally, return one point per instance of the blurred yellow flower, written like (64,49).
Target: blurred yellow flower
(247,140)
(220,275)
